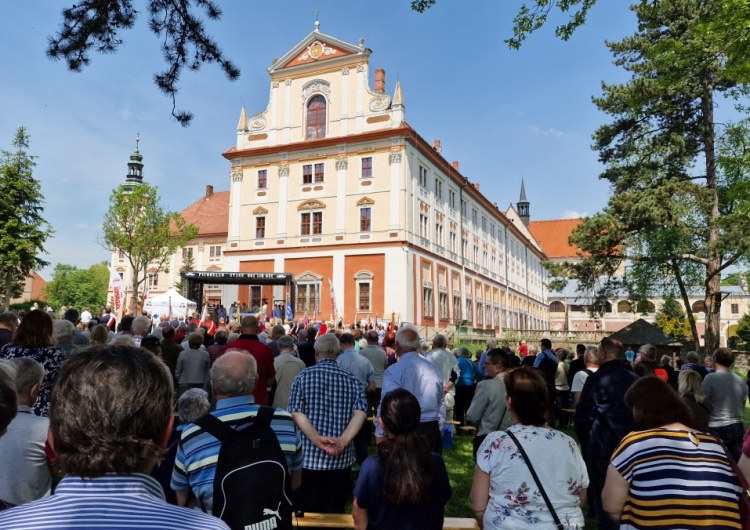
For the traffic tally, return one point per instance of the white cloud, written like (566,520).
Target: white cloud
(554,133)
(572,214)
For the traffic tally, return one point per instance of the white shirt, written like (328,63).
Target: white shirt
(446,363)
(580,378)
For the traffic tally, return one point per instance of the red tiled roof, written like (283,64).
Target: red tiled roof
(210,214)
(553,236)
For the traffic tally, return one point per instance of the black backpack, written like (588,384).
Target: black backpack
(252,487)
(548,366)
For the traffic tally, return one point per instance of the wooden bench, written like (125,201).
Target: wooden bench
(345,520)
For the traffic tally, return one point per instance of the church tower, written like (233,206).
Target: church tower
(522,206)
(135,168)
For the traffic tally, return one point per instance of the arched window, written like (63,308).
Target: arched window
(316,118)
(624,307)
(557,307)
(699,306)
(645,307)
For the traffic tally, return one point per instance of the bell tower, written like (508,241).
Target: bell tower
(135,167)
(522,206)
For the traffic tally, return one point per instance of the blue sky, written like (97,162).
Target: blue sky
(502,114)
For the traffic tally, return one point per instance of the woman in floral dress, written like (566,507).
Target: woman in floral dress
(504,494)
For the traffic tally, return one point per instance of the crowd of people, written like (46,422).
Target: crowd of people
(95,403)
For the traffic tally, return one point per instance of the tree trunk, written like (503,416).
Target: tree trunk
(688,307)
(713,274)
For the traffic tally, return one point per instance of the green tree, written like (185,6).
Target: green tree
(680,203)
(74,287)
(23,230)
(671,319)
(137,225)
(743,328)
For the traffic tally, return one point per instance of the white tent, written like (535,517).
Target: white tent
(161,305)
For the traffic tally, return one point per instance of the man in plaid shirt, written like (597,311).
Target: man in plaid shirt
(328,405)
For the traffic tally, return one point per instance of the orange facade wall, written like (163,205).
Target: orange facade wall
(266,290)
(374,263)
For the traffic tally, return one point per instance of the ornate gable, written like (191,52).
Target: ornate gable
(315,48)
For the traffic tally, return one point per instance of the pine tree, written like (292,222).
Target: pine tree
(23,230)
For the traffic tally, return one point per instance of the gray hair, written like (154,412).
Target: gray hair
(408,338)
(692,357)
(591,355)
(228,380)
(278,331)
(122,340)
(463,351)
(28,373)
(491,343)
(233,336)
(8,369)
(286,342)
(140,325)
(62,329)
(193,404)
(195,340)
(328,345)
(649,351)
(562,354)
(533,350)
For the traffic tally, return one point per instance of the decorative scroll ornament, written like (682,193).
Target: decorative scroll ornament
(258,121)
(284,170)
(316,87)
(316,50)
(394,157)
(380,102)
(360,68)
(342,163)
(345,71)
(237,176)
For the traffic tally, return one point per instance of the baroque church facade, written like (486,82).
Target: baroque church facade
(331,184)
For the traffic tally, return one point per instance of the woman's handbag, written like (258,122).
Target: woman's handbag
(558,524)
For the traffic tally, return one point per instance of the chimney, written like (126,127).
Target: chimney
(476,185)
(380,81)
(455,165)
(436,146)
(495,205)
(209,191)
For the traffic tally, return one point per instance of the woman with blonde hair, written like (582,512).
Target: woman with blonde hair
(691,393)
(99,334)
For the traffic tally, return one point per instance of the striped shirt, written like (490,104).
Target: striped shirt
(198,451)
(328,395)
(112,502)
(675,483)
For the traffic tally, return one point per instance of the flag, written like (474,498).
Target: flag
(170,308)
(289,311)
(274,313)
(323,329)
(118,289)
(315,302)
(204,316)
(333,301)
(305,320)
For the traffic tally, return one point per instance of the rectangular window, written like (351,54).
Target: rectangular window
(121,254)
(443,306)
(304,228)
(480,320)
(260,228)
(463,208)
(457,309)
(214,251)
(423,177)
(428,303)
(301,305)
(319,173)
(452,246)
(262,179)
(187,253)
(367,167)
(492,230)
(307,174)
(255,298)
(317,223)
(364,296)
(424,228)
(474,216)
(153,280)
(452,199)
(365,219)
(476,254)
(735,309)
(484,224)
(438,188)
(439,234)
(469,310)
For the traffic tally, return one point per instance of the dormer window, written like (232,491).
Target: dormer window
(316,118)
